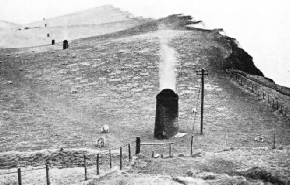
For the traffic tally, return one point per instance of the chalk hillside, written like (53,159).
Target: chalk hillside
(88,23)
(53,103)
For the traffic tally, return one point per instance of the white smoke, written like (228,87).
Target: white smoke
(168,60)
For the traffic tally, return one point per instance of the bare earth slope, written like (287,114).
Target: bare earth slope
(52,98)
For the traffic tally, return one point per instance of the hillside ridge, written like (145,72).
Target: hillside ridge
(8,25)
(97,15)
(58,100)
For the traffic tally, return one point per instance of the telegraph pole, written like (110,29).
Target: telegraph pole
(202,73)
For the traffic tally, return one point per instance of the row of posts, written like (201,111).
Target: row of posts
(137,152)
(276,106)
(138,146)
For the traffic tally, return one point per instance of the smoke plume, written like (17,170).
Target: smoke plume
(168,60)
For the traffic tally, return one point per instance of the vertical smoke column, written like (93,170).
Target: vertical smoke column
(167,76)
(166,121)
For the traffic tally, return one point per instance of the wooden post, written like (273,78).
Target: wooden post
(47,174)
(120,158)
(153,153)
(129,152)
(273,103)
(19,176)
(202,97)
(263,95)
(281,109)
(202,101)
(138,145)
(191,143)
(226,140)
(277,105)
(170,150)
(274,141)
(110,158)
(85,165)
(98,164)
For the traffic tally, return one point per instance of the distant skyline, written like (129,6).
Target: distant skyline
(261,26)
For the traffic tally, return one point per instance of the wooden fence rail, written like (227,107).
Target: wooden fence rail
(253,86)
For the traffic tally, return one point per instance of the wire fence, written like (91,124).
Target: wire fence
(256,87)
(188,145)
(87,161)
(280,89)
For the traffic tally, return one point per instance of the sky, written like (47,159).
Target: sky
(261,26)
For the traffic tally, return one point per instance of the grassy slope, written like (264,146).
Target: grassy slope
(93,22)
(117,80)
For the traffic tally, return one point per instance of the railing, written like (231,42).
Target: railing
(253,85)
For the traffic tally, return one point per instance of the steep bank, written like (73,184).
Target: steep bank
(240,59)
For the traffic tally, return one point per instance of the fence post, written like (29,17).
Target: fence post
(120,158)
(274,141)
(170,149)
(273,103)
(85,165)
(19,176)
(281,109)
(138,145)
(47,174)
(110,158)
(129,152)
(191,143)
(226,140)
(98,164)
(263,95)
(277,105)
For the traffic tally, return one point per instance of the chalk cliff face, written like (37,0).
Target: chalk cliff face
(238,59)
(241,60)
